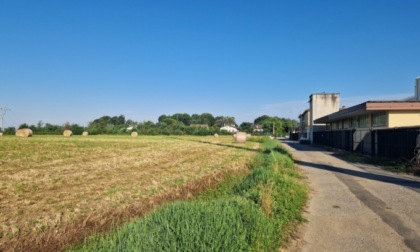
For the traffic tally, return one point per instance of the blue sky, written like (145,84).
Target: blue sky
(74,61)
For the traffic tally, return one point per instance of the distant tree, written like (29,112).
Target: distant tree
(207,118)
(270,125)
(33,128)
(23,126)
(109,125)
(49,128)
(289,125)
(117,120)
(40,125)
(261,119)
(67,126)
(186,119)
(162,118)
(246,127)
(76,129)
(195,119)
(221,121)
(9,131)
(170,121)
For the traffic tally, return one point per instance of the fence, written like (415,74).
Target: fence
(395,143)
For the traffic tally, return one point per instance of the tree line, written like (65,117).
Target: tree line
(176,124)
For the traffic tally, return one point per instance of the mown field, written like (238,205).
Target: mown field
(254,211)
(56,190)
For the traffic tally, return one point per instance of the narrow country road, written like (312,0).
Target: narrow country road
(355,207)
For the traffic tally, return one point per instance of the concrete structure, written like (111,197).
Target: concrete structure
(374,115)
(321,105)
(304,123)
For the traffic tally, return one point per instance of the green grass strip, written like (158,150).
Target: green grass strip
(254,212)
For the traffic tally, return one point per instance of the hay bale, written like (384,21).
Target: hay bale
(134,134)
(1,134)
(85,133)
(24,133)
(67,133)
(216,135)
(240,137)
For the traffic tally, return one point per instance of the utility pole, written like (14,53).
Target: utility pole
(3,112)
(273,130)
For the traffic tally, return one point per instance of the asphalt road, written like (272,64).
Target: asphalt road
(355,207)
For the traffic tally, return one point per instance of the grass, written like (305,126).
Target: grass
(54,189)
(246,212)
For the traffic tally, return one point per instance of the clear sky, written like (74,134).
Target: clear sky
(75,61)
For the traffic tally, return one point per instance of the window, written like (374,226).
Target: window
(364,121)
(328,126)
(379,119)
(346,124)
(355,122)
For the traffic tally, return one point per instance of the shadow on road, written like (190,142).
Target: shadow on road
(302,147)
(387,179)
(413,184)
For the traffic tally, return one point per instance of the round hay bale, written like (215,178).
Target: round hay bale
(85,133)
(216,135)
(67,133)
(240,137)
(24,133)
(134,134)
(1,134)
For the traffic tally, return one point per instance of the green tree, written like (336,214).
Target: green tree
(9,131)
(221,121)
(76,129)
(162,118)
(207,118)
(195,119)
(170,121)
(40,125)
(261,119)
(23,126)
(246,127)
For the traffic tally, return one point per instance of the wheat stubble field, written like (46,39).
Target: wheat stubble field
(56,190)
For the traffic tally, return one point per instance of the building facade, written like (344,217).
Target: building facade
(374,115)
(304,123)
(321,105)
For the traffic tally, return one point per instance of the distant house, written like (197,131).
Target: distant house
(257,128)
(229,129)
(304,123)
